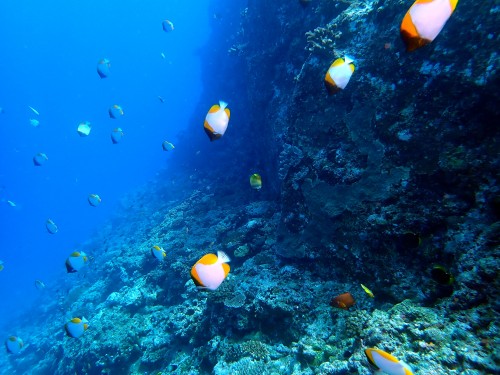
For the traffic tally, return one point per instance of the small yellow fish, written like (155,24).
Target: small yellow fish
(368,291)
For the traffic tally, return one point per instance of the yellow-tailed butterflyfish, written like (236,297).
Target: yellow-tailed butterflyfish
(94,200)
(76,261)
(256,181)
(51,226)
(386,362)
(158,252)
(103,68)
(167,26)
(13,344)
(441,275)
(211,270)
(76,327)
(167,146)
(40,159)
(338,75)
(115,111)
(116,135)
(217,120)
(424,21)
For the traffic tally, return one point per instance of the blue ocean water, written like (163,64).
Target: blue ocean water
(49,52)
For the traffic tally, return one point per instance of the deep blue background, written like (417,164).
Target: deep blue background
(49,52)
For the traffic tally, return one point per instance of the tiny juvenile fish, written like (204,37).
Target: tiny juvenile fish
(34,110)
(368,291)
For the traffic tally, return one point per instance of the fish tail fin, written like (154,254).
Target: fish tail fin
(348,59)
(222,257)
(408,369)
(222,104)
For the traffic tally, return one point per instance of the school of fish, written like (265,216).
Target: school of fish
(420,26)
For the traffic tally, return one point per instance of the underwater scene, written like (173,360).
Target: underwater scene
(249,187)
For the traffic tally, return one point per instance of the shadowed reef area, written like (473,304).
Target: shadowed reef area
(377,184)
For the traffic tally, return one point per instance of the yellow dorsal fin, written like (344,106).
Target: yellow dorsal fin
(338,62)
(208,259)
(214,108)
(386,355)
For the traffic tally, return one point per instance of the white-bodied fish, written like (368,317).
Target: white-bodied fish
(34,122)
(76,261)
(13,344)
(51,226)
(116,135)
(211,270)
(34,111)
(40,159)
(168,26)
(103,68)
(115,111)
(11,203)
(94,200)
(338,74)
(76,327)
(84,128)
(424,21)
(385,363)
(217,120)
(167,146)
(158,252)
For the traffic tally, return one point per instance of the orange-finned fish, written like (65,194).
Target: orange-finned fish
(338,75)
(211,270)
(217,120)
(424,21)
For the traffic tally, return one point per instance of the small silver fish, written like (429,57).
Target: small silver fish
(34,111)
(39,284)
